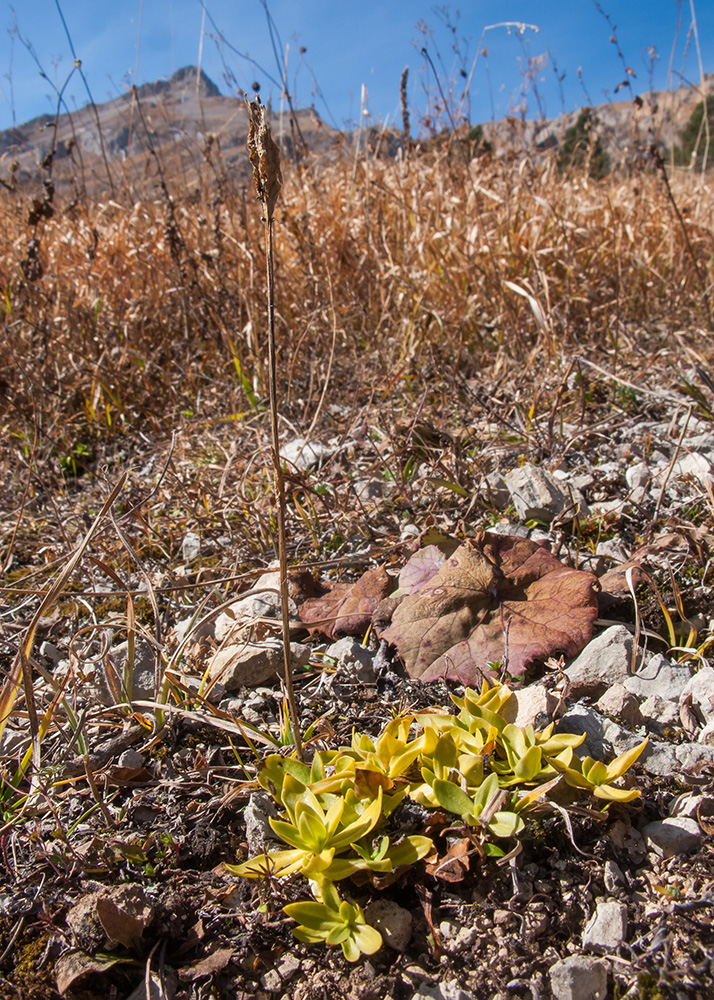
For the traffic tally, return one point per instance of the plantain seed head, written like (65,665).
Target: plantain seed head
(264,157)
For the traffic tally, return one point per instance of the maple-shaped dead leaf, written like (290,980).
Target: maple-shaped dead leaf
(495,598)
(340,609)
(422,566)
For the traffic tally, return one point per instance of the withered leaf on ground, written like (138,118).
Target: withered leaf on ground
(124,914)
(340,609)
(455,865)
(496,598)
(215,962)
(422,566)
(74,965)
(614,587)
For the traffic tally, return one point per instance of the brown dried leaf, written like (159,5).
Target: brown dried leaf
(422,566)
(128,777)
(495,595)
(74,965)
(613,584)
(215,962)
(455,864)
(345,608)
(124,914)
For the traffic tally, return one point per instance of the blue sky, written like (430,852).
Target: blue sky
(348,45)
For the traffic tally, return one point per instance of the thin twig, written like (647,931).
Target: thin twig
(668,473)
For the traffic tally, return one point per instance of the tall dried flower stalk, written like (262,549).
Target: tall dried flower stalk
(265,160)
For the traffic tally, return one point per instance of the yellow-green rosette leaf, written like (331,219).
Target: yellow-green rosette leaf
(275,864)
(355,831)
(367,939)
(529,766)
(612,794)
(452,798)
(506,824)
(625,761)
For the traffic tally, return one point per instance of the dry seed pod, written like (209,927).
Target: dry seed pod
(264,157)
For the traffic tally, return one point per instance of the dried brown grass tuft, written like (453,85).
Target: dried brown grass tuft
(129,325)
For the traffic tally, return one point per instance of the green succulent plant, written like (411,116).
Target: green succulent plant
(479,808)
(334,921)
(596,777)
(483,770)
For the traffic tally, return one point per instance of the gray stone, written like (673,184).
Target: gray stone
(213,694)
(659,676)
(286,966)
(689,804)
(85,923)
(259,834)
(448,929)
(131,758)
(531,706)
(691,754)
(694,465)
(449,990)
(605,661)
(305,455)
(271,981)
(621,704)
(347,651)
(198,625)
(370,489)
(392,921)
(700,688)
(467,938)
(660,759)
(190,547)
(699,442)
(605,738)
(537,495)
(614,876)
(638,476)
(589,564)
(601,734)
(519,531)
(249,664)
(143,675)
(496,491)
(706,736)
(614,550)
(656,709)
(614,509)
(579,978)
(674,835)
(262,601)
(50,652)
(607,927)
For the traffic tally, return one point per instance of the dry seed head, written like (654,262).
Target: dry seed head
(264,157)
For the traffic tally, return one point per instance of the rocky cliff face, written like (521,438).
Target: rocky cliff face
(625,128)
(174,117)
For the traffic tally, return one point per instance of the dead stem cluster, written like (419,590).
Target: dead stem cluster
(389,270)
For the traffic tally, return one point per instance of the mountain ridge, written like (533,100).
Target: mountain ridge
(177,115)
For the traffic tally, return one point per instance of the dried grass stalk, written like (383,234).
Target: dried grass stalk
(265,159)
